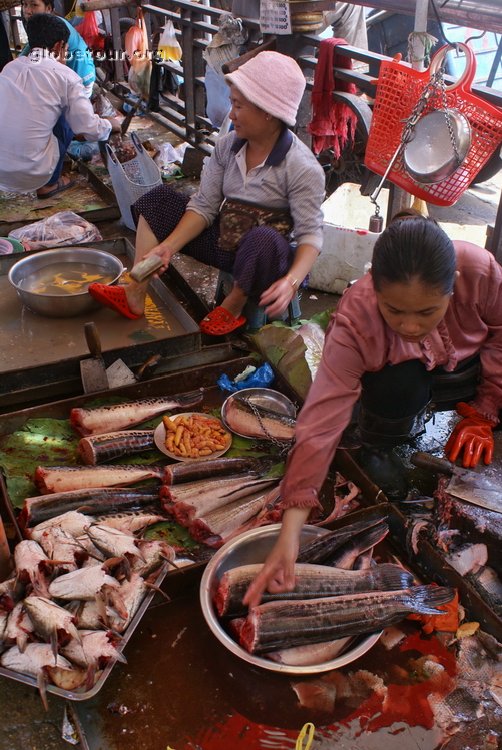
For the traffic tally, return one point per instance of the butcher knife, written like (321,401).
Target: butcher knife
(473,486)
(93,369)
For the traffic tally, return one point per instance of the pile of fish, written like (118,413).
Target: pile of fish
(76,585)
(213,498)
(216,510)
(340,593)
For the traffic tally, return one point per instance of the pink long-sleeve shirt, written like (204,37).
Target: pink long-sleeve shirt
(358,341)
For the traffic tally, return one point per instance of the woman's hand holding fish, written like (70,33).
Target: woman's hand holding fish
(278,572)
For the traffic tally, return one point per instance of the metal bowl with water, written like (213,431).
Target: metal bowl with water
(253,547)
(74,268)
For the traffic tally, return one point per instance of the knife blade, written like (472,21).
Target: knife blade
(475,487)
(93,369)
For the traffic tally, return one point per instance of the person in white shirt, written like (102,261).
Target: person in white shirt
(42,104)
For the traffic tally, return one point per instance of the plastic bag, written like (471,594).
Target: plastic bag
(136,41)
(261,377)
(168,47)
(139,78)
(89,31)
(62,228)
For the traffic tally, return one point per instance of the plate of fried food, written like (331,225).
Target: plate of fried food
(192,436)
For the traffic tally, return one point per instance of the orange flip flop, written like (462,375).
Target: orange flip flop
(113,297)
(219,322)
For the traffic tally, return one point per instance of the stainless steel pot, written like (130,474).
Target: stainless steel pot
(430,157)
(23,277)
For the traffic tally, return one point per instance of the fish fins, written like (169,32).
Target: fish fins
(115,601)
(158,590)
(42,689)
(54,645)
(391,577)
(119,656)
(426,599)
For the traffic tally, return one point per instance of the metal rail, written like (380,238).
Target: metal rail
(184,114)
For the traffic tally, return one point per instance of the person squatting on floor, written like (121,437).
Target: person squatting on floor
(426,320)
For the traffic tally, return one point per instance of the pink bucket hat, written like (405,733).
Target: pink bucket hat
(273,82)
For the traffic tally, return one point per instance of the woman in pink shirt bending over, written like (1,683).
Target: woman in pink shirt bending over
(425,324)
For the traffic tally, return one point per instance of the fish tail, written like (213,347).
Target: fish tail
(426,599)
(389,577)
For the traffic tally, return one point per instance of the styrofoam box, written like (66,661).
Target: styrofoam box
(347,244)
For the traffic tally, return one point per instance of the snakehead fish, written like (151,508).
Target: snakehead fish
(321,548)
(98,449)
(104,419)
(253,421)
(51,479)
(214,467)
(97,500)
(311,582)
(283,624)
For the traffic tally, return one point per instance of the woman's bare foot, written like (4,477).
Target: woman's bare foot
(234,301)
(136,295)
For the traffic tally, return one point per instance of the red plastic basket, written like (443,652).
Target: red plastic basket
(398,91)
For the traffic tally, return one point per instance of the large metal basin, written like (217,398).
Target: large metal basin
(253,547)
(26,273)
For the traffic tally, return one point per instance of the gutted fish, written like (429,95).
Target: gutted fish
(131,521)
(58,545)
(215,526)
(72,523)
(53,623)
(95,648)
(105,419)
(248,419)
(311,582)
(54,479)
(33,567)
(284,624)
(346,556)
(83,584)
(153,554)
(112,542)
(311,654)
(321,548)
(131,592)
(98,449)
(35,510)
(192,500)
(32,660)
(19,628)
(214,467)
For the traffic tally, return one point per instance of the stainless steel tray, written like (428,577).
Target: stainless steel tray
(81,694)
(37,352)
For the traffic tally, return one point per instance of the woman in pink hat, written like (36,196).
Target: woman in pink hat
(260,187)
